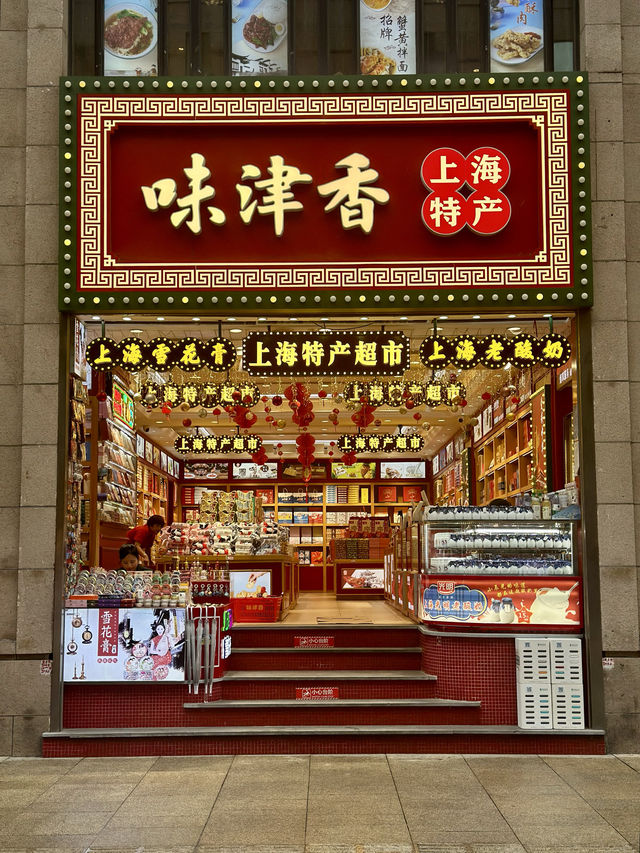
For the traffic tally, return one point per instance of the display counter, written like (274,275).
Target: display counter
(250,577)
(359,578)
(512,573)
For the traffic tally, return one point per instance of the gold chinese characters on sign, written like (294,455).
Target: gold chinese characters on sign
(161,354)
(274,195)
(385,442)
(399,393)
(207,394)
(217,443)
(494,351)
(326,353)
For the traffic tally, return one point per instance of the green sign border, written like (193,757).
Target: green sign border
(356,301)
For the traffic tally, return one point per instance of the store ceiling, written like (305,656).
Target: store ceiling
(443,422)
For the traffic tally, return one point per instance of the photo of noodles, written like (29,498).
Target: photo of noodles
(512,45)
(373,61)
(128,33)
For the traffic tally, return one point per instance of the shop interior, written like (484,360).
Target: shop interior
(311,509)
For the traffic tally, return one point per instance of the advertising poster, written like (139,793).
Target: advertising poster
(252,471)
(259,37)
(244,584)
(486,601)
(206,470)
(362,579)
(295,471)
(516,35)
(140,446)
(387,37)
(487,420)
(131,38)
(357,471)
(137,644)
(402,470)
(123,406)
(539,434)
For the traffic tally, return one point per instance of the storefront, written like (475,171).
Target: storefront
(334,332)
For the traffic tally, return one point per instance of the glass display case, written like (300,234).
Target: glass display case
(511,572)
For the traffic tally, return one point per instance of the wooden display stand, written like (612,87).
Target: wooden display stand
(318,576)
(282,568)
(503,459)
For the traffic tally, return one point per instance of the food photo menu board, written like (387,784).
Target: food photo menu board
(131,38)
(387,37)
(516,35)
(259,37)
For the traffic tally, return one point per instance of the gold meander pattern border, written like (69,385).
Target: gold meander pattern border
(547,109)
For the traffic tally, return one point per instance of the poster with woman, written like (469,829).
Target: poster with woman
(124,645)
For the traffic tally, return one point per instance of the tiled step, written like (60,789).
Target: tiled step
(271,658)
(352,684)
(331,712)
(279,635)
(250,740)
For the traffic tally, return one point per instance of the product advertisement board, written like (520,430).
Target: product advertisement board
(387,37)
(410,195)
(516,35)
(259,37)
(497,601)
(402,470)
(362,579)
(130,38)
(137,644)
(356,471)
(245,584)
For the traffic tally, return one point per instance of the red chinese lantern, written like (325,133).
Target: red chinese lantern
(322,393)
(166,410)
(462,403)
(264,400)
(186,422)
(102,396)
(486,395)
(410,404)
(216,412)
(515,400)
(277,400)
(417,416)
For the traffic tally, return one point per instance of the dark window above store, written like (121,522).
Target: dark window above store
(309,37)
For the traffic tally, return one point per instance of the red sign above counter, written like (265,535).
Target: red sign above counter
(320,194)
(499,602)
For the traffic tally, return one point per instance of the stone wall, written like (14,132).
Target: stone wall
(32,57)
(33,54)
(611,55)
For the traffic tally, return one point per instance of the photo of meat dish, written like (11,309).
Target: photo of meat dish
(259,32)
(128,33)
(512,45)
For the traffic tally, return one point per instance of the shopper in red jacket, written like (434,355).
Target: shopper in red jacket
(144,536)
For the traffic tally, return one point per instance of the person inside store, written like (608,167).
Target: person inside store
(144,536)
(129,557)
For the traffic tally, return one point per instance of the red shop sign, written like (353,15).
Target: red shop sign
(251,195)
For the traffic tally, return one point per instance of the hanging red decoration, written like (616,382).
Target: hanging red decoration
(300,404)
(101,396)
(364,417)
(417,416)
(462,403)
(259,457)
(515,400)
(322,393)
(186,422)
(166,410)
(486,395)
(217,412)
(410,404)
(348,458)
(276,400)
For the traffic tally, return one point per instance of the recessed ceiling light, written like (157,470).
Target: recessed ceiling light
(387,420)
(262,319)
(196,319)
(231,319)
(546,316)
(293,319)
(512,316)
(128,319)
(404,318)
(96,318)
(514,329)
(365,318)
(444,317)
(158,422)
(440,420)
(324,319)
(236,331)
(160,319)
(136,331)
(476,317)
